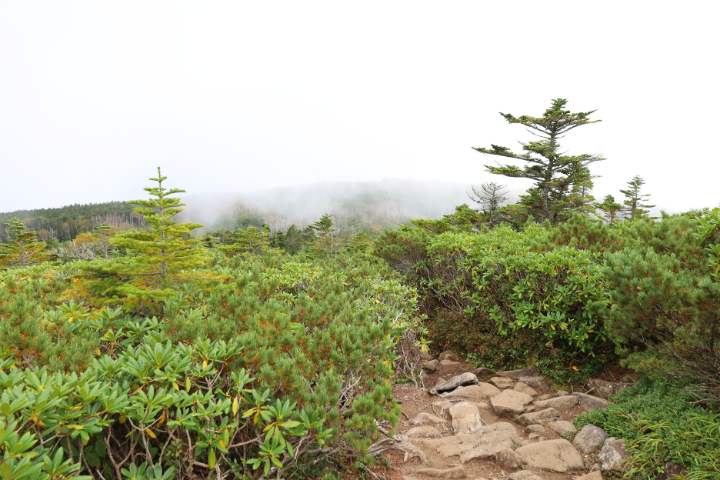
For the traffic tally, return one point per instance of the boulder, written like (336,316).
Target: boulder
(525,388)
(590,439)
(529,408)
(448,355)
(613,454)
(509,403)
(449,363)
(561,427)
(426,357)
(556,455)
(566,401)
(535,429)
(465,418)
(562,393)
(488,390)
(516,374)
(440,407)
(483,372)
(425,418)
(501,382)
(431,366)
(486,442)
(672,471)
(544,396)
(589,402)
(425,431)
(541,417)
(475,393)
(456,381)
(455,472)
(537,381)
(604,389)
(508,459)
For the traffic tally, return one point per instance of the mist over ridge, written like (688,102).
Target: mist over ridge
(387,202)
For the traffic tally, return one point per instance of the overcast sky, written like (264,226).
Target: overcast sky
(238,96)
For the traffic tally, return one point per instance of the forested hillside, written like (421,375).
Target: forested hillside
(252,351)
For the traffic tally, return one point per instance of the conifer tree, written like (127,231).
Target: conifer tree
(156,258)
(634,200)
(23,249)
(610,209)
(490,196)
(557,176)
(326,241)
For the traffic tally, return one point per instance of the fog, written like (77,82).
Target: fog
(393,200)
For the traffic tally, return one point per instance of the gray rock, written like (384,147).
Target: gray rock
(589,402)
(486,442)
(448,355)
(562,393)
(544,396)
(483,372)
(456,381)
(509,459)
(613,455)
(561,427)
(426,357)
(431,366)
(672,471)
(556,455)
(425,431)
(488,390)
(525,388)
(501,382)
(534,429)
(516,374)
(529,408)
(541,417)
(465,418)
(537,381)
(425,418)
(475,393)
(605,390)
(567,401)
(509,403)
(589,439)
(455,472)
(449,363)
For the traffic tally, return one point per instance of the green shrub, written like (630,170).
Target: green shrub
(660,424)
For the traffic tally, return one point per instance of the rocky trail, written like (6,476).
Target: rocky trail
(479,424)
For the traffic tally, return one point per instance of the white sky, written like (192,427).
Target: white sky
(236,96)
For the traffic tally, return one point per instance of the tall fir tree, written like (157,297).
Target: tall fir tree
(635,206)
(156,260)
(23,249)
(559,178)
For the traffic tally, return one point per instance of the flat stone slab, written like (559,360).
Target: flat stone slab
(475,393)
(424,418)
(590,402)
(501,382)
(537,381)
(424,431)
(556,455)
(525,388)
(449,363)
(483,443)
(488,389)
(568,401)
(541,417)
(509,403)
(483,372)
(465,418)
(561,427)
(457,381)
